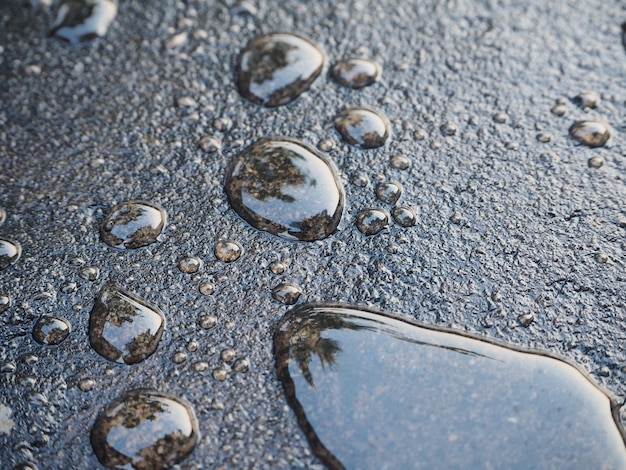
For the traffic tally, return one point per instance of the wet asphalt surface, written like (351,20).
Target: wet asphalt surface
(507,224)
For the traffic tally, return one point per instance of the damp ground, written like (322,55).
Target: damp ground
(519,229)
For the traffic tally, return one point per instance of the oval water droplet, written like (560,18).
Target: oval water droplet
(287,188)
(274,69)
(433,398)
(590,133)
(287,293)
(51,330)
(123,327)
(404,216)
(355,73)
(587,99)
(83,20)
(10,252)
(363,127)
(371,221)
(133,224)
(5,303)
(388,192)
(144,429)
(401,162)
(227,251)
(190,264)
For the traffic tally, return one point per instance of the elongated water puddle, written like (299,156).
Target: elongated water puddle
(372,391)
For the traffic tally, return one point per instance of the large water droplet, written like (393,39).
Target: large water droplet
(591,133)
(274,69)
(355,73)
(83,20)
(287,188)
(144,429)
(363,127)
(123,327)
(51,330)
(133,224)
(10,252)
(371,391)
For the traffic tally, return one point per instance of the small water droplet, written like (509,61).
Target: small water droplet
(525,319)
(123,327)
(388,192)
(228,251)
(456,218)
(173,43)
(179,357)
(201,366)
(206,288)
(435,144)
(602,258)
(3,215)
(544,137)
(371,221)
(207,321)
(363,127)
(448,128)
(419,134)
(559,110)
(210,144)
(222,124)
(404,216)
(221,374)
(241,365)
(186,102)
(144,429)
(86,385)
(83,20)
(7,367)
(274,69)
(90,273)
(360,179)
(287,292)
(401,162)
(277,268)
(590,133)
(595,162)
(5,303)
(192,346)
(500,118)
(133,224)
(587,99)
(512,145)
(355,73)
(51,330)
(10,252)
(190,264)
(325,145)
(287,188)
(228,355)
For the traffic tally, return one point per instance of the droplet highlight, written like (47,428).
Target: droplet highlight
(287,188)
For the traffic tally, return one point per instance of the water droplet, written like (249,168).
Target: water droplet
(241,365)
(222,124)
(590,133)
(90,273)
(144,429)
(3,215)
(277,268)
(123,327)
(207,321)
(287,188)
(186,102)
(133,224)
(221,374)
(500,118)
(525,319)
(456,218)
(10,252)
(173,43)
(83,20)
(363,127)
(404,216)
(50,330)
(544,137)
(371,221)
(419,134)
(5,303)
(355,73)
(206,288)
(401,162)
(287,292)
(228,251)
(190,264)
(435,144)
(360,179)
(388,192)
(201,366)
(595,162)
(587,99)
(192,346)
(559,110)
(274,69)
(228,355)
(448,128)
(86,385)
(602,258)
(7,367)
(179,357)
(325,145)
(434,397)
(210,144)
(512,145)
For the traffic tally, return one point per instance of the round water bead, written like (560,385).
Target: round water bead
(133,224)
(404,216)
(51,330)
(372,220)
(355,72)
(287,293)
(363,127)
(10,252)
(590,133)
(228,251)
(389,192)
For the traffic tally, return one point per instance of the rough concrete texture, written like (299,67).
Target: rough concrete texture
(85,127)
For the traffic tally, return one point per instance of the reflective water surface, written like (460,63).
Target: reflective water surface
(370,392)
